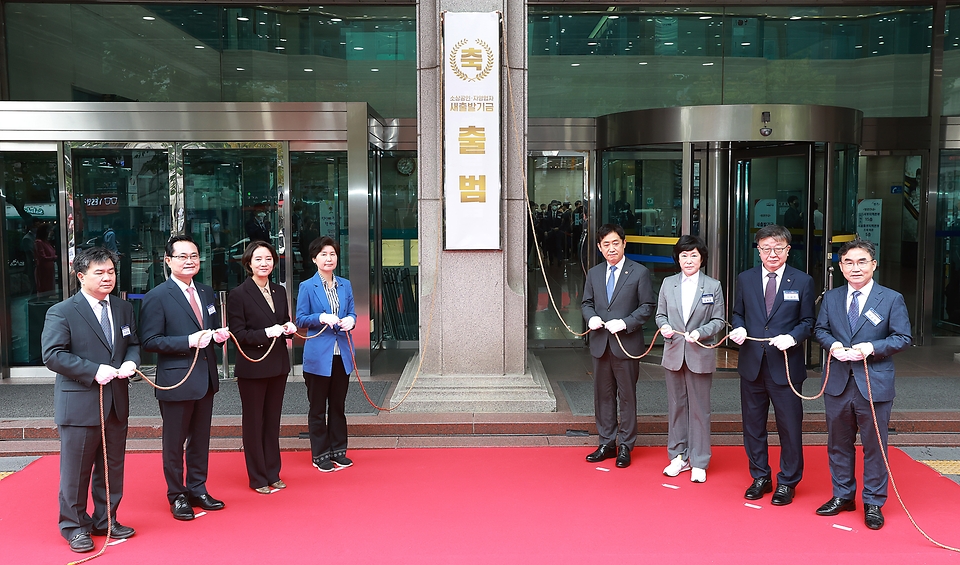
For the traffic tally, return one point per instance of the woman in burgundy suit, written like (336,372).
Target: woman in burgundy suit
(258,315)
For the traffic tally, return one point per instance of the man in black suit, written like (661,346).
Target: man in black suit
(774,302)
(90,341)
(617,299)
(177,317)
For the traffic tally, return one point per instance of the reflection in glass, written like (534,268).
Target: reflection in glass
(946,277)
(557,189)
(897,247)
(597,60)
(231,200)
(317,179)
(399,245)
(210,53)
(28,181)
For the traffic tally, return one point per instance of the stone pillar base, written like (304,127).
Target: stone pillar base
(530,392)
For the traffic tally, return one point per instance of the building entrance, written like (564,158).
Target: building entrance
(723,172)
(130,175)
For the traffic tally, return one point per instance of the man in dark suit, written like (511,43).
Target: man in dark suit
(861,319)
(617,299)
(177,317)
(90,341)
(774,302)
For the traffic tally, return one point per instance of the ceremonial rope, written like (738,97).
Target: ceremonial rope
(826,377)
(106,482)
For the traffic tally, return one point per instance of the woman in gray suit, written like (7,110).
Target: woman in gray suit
(692,303)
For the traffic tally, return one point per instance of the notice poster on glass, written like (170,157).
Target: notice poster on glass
(869,216)
(471,139)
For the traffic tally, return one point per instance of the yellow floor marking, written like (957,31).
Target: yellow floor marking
(944,467)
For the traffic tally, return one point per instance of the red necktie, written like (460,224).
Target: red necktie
(194,305)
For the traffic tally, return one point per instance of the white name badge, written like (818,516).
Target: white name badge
(874,318)
(211,310)
(125,331)
(791,296)
(706,299)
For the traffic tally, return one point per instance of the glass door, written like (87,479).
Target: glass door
(121,200)
(771,185)
(556,255)
(31,278)
(231,195)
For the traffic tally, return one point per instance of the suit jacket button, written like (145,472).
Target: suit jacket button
(766,328)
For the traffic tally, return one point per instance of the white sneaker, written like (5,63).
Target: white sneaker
(676,466)
(698,475)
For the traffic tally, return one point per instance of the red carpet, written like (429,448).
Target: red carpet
(490,506)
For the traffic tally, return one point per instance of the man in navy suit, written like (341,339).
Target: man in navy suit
(773,302)
(617,299)
(90,341)
(857,321)
(177,317)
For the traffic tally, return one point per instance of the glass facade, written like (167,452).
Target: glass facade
(211,53)
(31,232)
(598,60)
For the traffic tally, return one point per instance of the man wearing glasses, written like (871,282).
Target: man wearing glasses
(176,317)
(775,303)
(857,321)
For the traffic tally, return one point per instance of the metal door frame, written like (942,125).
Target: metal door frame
(323,126)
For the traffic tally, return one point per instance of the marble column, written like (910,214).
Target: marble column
(473,334)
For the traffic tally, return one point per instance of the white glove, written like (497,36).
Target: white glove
(693,337)
(614,326)
(865,349)
(739,335)
(200,339)
(105,374)
(666,331)
(221,335)
(783,342)
(347,324)
(127,369)
(289,328)
(839,352)
(275,330)
(329,319)
(595,323)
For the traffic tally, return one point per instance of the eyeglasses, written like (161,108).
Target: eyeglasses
(192,257)
(862,263)
(769,250)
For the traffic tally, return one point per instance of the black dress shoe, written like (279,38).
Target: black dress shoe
(118,531)
(603,452)
(872,516)
(181,508)
(835,506)
(206,502)
(81,543)
(760,487)
(782,496)
(623,457)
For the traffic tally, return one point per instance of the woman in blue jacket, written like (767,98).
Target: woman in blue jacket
(325,302)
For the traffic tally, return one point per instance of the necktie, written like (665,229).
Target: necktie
(770,294)
(853,314)
(105,323)
(194,305)
(611,282)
